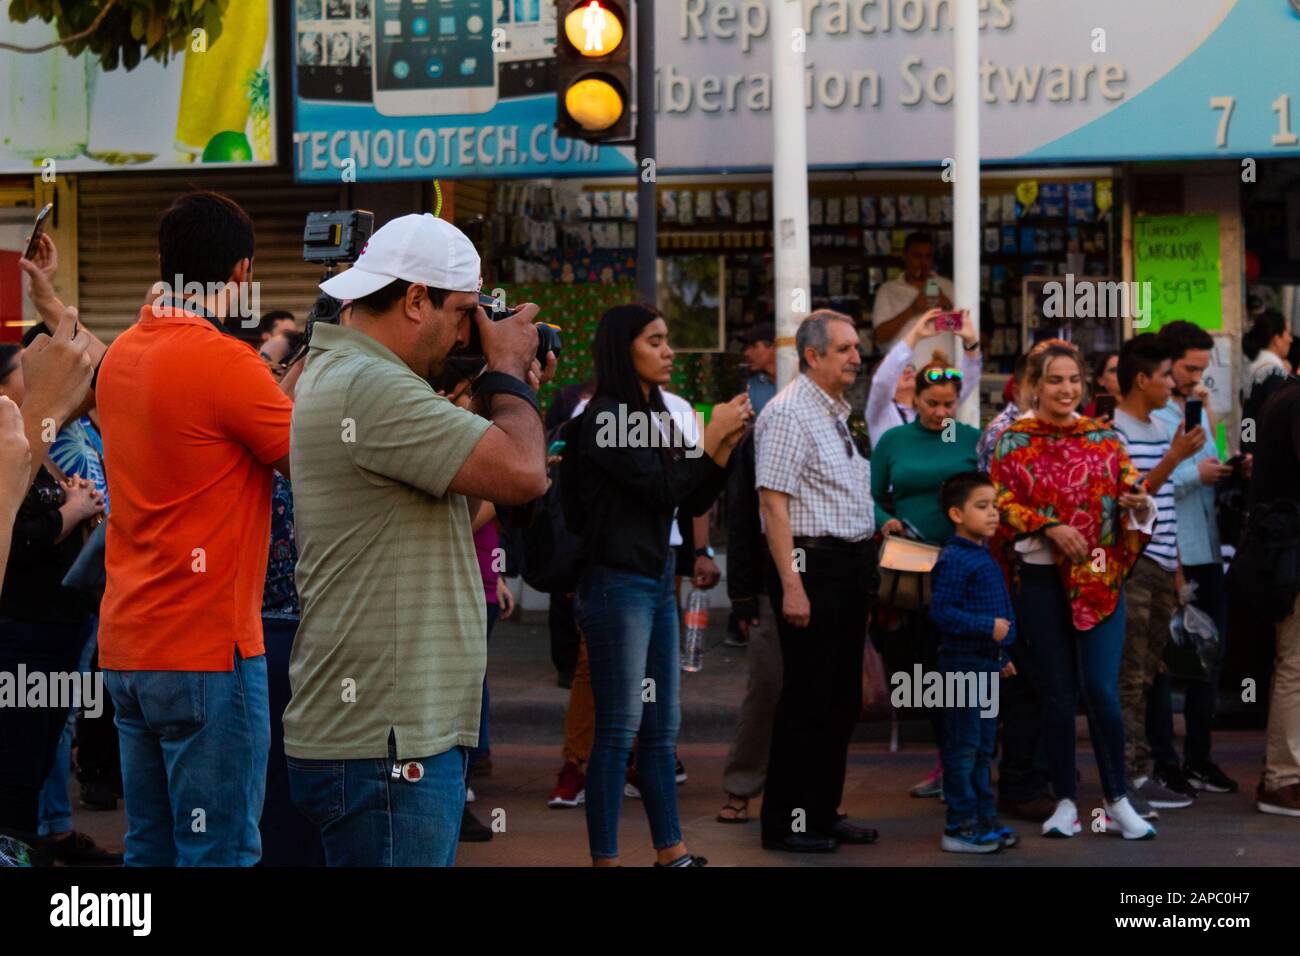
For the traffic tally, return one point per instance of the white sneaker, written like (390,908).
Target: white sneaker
(469,795)
(1132,826)
(1064,821)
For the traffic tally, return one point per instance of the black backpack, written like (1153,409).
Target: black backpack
(1265,573)
(551,551)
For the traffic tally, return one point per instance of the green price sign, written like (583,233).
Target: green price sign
(1179,257)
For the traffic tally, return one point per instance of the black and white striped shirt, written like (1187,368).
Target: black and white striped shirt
(1147,443)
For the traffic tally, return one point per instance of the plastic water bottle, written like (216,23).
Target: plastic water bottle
(697,622)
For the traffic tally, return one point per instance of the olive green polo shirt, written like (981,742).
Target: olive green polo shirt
(394,629)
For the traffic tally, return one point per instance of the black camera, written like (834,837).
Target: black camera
(333,237)
(469,361)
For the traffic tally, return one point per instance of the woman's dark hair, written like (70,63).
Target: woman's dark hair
(616,376)
(10,356)
(1268,325)
(201,236)
(938,360)
(1099,366)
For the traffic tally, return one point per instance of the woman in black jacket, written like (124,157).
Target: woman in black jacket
(632,472)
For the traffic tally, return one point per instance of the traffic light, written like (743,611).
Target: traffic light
(593,53)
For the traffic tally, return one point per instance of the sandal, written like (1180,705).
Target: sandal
(739,808)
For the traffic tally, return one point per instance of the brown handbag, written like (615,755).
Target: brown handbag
(905,567)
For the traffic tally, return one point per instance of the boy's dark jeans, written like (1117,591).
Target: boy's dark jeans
(968,742)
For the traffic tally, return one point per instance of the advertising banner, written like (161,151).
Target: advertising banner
(392,89)
(212,101)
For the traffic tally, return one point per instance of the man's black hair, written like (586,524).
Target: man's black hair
(267,324)
(201,238)
(917,237)
(381,300)
(1181,337)
(1141,355)
(957,489)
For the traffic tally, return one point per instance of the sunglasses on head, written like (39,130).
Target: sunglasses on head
(936,375)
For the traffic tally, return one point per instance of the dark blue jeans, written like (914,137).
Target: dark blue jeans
(630,624)
(288,837)
(194,747)
(368,817)
(1066,661)
(967,751)
(1199,700)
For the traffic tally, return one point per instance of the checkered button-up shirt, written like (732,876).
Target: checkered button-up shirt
(803,448)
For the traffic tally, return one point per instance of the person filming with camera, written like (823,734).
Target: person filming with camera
(388,663)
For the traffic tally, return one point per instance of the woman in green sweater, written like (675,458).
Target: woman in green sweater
(911,461)
(907,467)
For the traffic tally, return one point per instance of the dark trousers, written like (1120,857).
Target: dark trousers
(29,735)
(98,755)
(1200,697)
(821,692)
(288,837)
(1023,768)
(564,634)
(484,748)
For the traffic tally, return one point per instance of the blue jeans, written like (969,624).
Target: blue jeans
(630,624)
(56,804)
(194,749)
(1066,660)
(967,747)
(368,817)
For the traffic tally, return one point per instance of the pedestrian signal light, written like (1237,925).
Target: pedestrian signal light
(594,82)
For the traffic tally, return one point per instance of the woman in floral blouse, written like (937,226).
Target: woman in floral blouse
(1075,518)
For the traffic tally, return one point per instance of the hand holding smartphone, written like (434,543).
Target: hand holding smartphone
(947,322)
(34,242)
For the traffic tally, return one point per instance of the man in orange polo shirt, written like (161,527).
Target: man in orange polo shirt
(193,427)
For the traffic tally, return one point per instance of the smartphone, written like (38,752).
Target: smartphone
(526,54)
(37,229)
(556,447)
(1235,463)
(433,59)
(334,50)
(1192,415)
(947,322)
(1105,405)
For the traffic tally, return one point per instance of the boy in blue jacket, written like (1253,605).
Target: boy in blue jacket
(972,610)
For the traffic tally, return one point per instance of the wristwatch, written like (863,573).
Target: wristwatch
(705,552)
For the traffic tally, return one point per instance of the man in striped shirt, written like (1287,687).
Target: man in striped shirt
(1151,592)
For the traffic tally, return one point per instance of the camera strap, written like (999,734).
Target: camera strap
(492,383)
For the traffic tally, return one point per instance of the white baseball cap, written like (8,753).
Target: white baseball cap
(417,248)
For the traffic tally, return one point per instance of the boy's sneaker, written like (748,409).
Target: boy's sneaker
(1064,822)
(1171,777)
(1207,776)
(680,772)
(1005,836)
(931,786)
(570,787)
(1140,805)
(1160,797)
(1284,801)
(969,839)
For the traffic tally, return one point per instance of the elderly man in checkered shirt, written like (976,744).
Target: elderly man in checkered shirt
(815,499)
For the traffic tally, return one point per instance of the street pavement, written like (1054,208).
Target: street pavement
(527,719)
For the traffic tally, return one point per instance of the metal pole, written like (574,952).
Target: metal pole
(789,184)
(966,184)
(647,204)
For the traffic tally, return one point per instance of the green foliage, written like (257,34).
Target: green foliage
(132,30)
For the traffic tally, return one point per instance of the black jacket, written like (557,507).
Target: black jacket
(749,561)
(620,500)
(33,585)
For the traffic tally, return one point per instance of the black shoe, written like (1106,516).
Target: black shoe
(684,861)
(736,638)
(845,831)
(802,843)
(1207,776)
(98,795)
(77,849)
(1173,779)
(564,680)
(472,830)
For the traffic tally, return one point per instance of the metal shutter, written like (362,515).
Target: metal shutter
(118,238)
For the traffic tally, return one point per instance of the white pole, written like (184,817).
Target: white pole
(789,183)
(966,184)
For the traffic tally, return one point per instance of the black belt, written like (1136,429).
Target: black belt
(828,543)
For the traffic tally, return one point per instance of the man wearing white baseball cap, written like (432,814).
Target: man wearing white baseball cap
(387,666)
